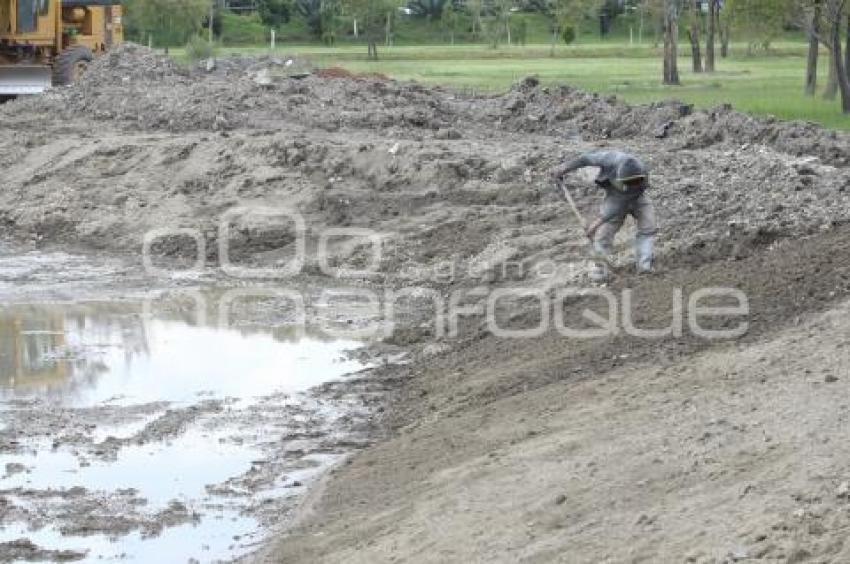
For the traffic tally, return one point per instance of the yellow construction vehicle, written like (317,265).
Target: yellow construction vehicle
(46,43)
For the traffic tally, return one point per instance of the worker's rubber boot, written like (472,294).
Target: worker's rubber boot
(644,213)
(644,250)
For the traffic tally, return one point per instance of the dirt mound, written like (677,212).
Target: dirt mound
(529,107)
(358,151)
(449,174)
(129,63)
(337,72)
(138,88)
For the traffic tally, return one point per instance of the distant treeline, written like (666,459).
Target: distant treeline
(242,22)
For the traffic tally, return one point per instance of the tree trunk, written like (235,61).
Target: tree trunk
(671,44)
(724,39)
(814,45)
(640,27)
(847,47)
(831,90)
(554,40)
(212,19)
(841,75)
(696,56)
(709,39)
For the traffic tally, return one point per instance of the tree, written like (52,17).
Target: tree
(311,12)
(170,22)
(713,15)
(758,20)
(831,89)
(725,29)
(274,13)
(558,12)
(474,8)
(813,31)
(329,13)
(671,42)
(838,21)
(448,21)
(503,15)
(693,34)
(847,48)
(656,10)
(825,21)
(370,15)
(521,30)
(608,10)
(570,13)
(431,10)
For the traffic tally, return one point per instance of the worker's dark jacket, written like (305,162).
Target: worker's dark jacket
(613,166)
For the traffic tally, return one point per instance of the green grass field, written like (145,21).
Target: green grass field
(770,84)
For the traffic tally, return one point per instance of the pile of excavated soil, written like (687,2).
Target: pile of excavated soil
(140,89)
(144,144)
(130,63)
(605,117)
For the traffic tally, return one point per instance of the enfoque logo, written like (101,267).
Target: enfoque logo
(709,313)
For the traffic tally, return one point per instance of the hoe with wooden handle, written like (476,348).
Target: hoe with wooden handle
(594,254)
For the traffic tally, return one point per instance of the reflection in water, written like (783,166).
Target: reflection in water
(88,353)
(26,346)
(53,350)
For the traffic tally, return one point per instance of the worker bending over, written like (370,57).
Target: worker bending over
(625,180)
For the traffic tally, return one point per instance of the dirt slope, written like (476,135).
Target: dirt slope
(726,455)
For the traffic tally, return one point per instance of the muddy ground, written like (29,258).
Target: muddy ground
(614,449)
(73,428)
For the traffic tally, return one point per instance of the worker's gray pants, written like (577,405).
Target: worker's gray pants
(616,207)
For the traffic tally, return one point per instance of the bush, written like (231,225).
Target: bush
(198,48)
(274,13)
(242,30)
(520,30)
(568,34)
(295,31)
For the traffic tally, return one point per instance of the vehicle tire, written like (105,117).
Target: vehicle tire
(70,65)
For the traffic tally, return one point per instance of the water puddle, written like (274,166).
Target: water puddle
(79,359)
(135,433)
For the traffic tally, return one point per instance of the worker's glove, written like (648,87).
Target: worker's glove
(558,172)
